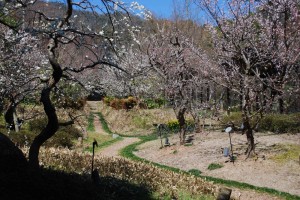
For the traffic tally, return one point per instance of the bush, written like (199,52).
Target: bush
(116,104)
(125,103)
(128,103)
(281,123)
(64,137)
(22,138)
(234,117)
(173,125)
(107,100)
(154,103)
(278,123)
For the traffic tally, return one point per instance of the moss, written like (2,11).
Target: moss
(289,152)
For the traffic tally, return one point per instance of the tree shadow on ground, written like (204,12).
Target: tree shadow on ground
(18,182)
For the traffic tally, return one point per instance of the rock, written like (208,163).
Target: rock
(224,194)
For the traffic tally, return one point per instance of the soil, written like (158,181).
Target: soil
(259,170)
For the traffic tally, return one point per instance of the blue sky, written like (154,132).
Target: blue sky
(160,8)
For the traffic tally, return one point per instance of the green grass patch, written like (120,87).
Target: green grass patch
(91,126)
(213,166)
(195,172)
(128,153)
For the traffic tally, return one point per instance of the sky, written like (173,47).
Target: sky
(160,8)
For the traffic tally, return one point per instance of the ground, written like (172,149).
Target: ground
(270,168)
(276,165)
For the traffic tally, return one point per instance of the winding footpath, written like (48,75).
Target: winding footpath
(112,150)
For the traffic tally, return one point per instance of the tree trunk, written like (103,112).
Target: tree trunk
(11,117)
(47,132)
(197,123)
(207,93)
(250,141)
(280,105)
(182,125)
(16,121)
(228,98)
(246,120)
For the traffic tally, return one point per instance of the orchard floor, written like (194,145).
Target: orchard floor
(276,165)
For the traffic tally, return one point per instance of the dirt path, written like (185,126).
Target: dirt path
(113,150)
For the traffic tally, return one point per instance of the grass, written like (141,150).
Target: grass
(195,172)
(128,153)
(213,166)
(290,152)
(91,127)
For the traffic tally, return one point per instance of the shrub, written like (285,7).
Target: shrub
(63,137)
(125,103)
(155,103)
(173,125)
(107,100)
(22,138)
(131,102)
(281,123)
(235,117)
(278,123)
(116,104)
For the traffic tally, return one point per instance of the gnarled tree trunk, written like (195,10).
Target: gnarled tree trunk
(47,132)
(52,125)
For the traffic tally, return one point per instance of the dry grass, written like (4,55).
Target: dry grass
(287,152)
(135,121)
(160,181)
